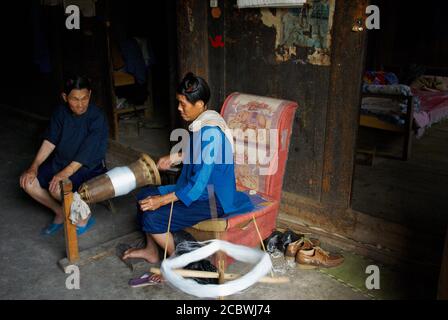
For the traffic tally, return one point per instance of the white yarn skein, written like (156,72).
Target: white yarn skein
(123,180)
(238,252)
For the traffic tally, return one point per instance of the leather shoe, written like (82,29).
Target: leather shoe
(317,257)
(302,244)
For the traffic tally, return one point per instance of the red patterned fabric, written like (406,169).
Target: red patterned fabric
(433,108)
(243,111)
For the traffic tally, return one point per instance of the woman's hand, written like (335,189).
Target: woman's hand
(54,183)
(151,203)
(28,176)
(164,163)
(168,161)
(155,202)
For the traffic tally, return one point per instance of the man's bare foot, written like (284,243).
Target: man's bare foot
(148,254)
(59,216)
(58,219)
(83,223)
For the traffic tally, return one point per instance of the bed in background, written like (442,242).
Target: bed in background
(433,108)
(410,110)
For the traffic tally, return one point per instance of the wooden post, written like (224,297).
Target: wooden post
(221,258)
(71,239)
(221,267)
(112,97)
(347,62)
(408,133)
(442,293)
(214,275)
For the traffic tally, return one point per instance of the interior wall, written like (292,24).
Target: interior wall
(246,52)
(251,67)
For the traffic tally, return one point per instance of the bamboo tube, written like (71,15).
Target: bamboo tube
(168,231)
(261,239)
(101,187)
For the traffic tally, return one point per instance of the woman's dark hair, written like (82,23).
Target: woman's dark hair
(77,83)
(194,88)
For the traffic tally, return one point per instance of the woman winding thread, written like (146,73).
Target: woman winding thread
(207,160)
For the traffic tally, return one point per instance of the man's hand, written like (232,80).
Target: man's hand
(151,203)
(28,176)
(54,183)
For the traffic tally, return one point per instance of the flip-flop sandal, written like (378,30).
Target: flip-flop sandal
(82,230)
(52,229)
(147,279)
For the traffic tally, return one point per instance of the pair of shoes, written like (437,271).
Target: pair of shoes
(84,229)
(280,241)
(273,242)
(147,279)
(52,229)
(317,257)
(289,237)
(302,244)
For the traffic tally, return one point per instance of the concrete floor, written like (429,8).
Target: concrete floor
(411,193)
(28,264)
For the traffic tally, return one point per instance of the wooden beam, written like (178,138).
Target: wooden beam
(217,58)
(71,239)
(409,133)
(193,37)
(443,280)
(215,225)
(215,275)
(372,121)
(108,72)
(377,238)
(347,66)
(171,17)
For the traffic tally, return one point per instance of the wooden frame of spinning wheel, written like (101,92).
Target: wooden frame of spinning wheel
(71,238)
(152,165)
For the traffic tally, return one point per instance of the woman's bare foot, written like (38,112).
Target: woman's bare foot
(149,254)
(156,278)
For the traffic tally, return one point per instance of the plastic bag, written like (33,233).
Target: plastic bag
(273,242)
(280,241)
(184,243)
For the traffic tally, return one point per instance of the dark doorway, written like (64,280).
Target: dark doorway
(410,191)
(151,26)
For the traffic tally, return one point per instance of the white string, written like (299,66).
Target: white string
(123,180)
(257,257)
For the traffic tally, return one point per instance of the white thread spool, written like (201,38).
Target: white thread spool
(261,260)
(123,180)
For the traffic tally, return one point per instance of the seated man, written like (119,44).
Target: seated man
(74,148)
